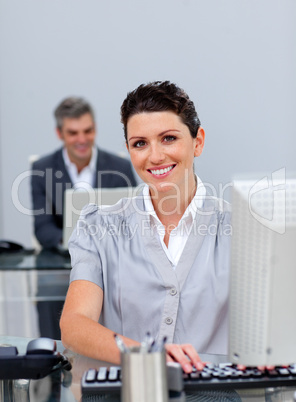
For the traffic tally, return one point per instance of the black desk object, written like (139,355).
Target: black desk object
(41,359)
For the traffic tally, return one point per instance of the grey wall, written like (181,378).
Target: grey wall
(236,59)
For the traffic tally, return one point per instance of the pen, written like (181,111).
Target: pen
(164,339)
(120,344)
(145,344)
(151,345)
(160,345)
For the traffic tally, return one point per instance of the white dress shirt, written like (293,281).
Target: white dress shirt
(84,180)
(180,234)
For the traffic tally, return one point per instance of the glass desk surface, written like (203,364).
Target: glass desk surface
(30,260)
(66,386)
(33,287)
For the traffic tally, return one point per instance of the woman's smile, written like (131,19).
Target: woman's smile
(161,171)
(162,150)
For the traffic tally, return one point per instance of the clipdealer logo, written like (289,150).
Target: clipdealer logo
(267,201)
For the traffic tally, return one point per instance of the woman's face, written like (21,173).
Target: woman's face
(162,150)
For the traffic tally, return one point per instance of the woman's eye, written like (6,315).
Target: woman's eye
(139,144)
(169,138)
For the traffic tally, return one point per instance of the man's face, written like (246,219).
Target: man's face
(78,136)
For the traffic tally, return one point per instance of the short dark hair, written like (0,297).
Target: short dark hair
(160,96)
(73,107)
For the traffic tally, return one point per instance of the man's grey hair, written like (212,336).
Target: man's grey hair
(72,107)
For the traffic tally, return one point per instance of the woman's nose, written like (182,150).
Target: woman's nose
(156,154)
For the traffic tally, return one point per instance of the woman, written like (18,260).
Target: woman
(158,262)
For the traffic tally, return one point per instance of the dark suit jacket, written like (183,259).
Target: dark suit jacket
(49,181)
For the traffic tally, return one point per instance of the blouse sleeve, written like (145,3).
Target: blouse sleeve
(85,257)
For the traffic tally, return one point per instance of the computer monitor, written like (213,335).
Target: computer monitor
(262,325)
(75,200)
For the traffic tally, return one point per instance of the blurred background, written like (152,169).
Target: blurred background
(235,59)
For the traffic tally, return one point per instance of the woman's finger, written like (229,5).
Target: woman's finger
(177,354)
(193,356)
(186,355)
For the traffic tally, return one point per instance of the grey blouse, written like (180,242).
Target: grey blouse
(115,248)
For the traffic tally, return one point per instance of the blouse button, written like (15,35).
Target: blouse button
(168,320)
(173,291)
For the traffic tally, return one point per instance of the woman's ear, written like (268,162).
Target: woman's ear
(199,141)
(126,144)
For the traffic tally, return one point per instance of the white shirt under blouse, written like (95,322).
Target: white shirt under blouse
(180,234)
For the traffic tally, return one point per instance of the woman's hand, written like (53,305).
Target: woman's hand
(185,355)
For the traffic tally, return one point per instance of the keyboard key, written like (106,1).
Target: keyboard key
(91,375)
(284,372)
(205,376)
(235,374)
(225,365)
(216,374)
(257,373)
(195,375)
(224,375)
(210,366)
(102,374)
(113,374)
(272,373)
(246,374)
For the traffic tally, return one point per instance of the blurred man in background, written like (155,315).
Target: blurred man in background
(78,164)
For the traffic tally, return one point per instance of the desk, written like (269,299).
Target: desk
(33,287)
(65,387)
(28,261)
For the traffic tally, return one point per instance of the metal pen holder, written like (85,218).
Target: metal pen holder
(144,376)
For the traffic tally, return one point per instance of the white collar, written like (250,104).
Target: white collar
(91,165)
(196,203)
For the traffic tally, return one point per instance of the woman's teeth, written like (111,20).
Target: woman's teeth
(161,171)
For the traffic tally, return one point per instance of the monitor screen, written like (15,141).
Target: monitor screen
(262,323)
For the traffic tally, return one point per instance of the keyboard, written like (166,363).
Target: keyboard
(213,376)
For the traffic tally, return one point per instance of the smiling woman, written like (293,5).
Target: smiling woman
(162,152)
(167,272)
